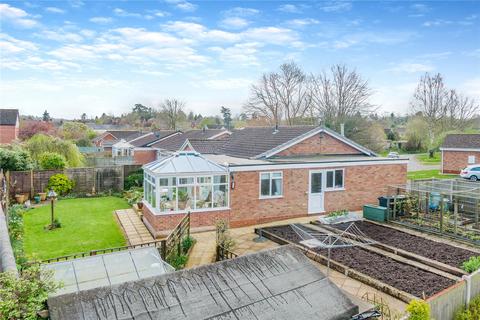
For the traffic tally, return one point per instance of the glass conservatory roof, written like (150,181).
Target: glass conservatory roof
(107,269)
(184,162)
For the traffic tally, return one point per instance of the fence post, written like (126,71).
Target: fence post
(468,287)
(163,249)
(188,227)
(32,191)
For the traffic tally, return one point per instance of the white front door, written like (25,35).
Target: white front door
(315,192)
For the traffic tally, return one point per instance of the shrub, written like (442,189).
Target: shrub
(418,310)
(52,160)
(40,143)
(23,297)
(134,179)
(177,261)
(472,264)
(187,243)
(224,238)
(15,159)
(471,312)
(15,231)
(61,184)
(133,195)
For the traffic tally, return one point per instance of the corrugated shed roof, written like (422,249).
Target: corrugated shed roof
(280,284)
(8,117)
(464,141)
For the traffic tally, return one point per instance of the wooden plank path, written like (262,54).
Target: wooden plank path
(133,227)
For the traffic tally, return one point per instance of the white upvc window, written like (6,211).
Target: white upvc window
(335,179)
(271,185)
(471,159)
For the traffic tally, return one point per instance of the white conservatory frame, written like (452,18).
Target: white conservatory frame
(173,184)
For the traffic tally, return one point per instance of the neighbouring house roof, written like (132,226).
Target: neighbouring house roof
(203,146)
(462,141)
(8,117)
(106,269)
(120,134)
(184,162)
(264,142)
(280,283)
(122,144)
(151,137)
(175,142)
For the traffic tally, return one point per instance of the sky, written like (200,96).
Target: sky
(94,57)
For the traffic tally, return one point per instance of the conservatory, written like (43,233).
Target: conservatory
(185,181)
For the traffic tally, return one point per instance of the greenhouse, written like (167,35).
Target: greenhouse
(185,181)
(448,207)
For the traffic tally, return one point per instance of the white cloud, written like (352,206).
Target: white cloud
(472,87)
(16,16)
(183,5)
(54,10)
(61,36)
(273,35)
(234,23)
(101,20)
(302,22)
(420,7)
(437,23)
(9,44)
(365,38)
(239,54)
(72,52)
(409,67)
(336,6)
(241,12)
(227,84)
(198,32)
(122,13)
(289,8)
(474,53)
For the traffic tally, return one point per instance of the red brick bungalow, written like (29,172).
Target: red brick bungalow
(460,151)
(9,125)
(261,174)
(110,137)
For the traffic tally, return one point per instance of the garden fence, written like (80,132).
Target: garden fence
(173,243)
(87,180)
(109,161)
(445,304)
(224,254)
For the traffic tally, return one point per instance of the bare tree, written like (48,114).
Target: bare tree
(443,109)
(339,95)
(282,94)
(172,110)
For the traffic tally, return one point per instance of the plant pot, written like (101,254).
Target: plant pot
(20,198)
(43,196)
(140,205)
(37,199)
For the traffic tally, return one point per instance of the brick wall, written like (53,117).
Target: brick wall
(107,137)
(143,156)
(321,143)
(455,161)
(8,134)
(363,185)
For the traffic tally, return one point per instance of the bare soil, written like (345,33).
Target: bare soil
(438,251)
(402,276)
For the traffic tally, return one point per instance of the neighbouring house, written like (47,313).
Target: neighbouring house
(9,125)
(108,138)
(261,174)
(459,151)
(280,283)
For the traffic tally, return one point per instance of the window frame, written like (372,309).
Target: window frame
(334,187)
(270,173)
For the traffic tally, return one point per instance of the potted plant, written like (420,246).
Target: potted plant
(20,198)
(37,198)
(43,196)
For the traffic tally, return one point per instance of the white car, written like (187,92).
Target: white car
(471,172)
(393,155)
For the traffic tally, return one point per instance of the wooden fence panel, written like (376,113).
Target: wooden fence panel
(445,304)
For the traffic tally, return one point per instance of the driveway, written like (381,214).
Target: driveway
(415,165)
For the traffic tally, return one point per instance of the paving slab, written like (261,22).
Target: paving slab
(135,231)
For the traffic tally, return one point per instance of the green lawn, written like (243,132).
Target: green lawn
(87,224)
(427,174)
(425,159)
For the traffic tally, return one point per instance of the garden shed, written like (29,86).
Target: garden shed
(449,207)
(185,181)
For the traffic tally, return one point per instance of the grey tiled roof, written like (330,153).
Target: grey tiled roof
(174,143)
(207,146)
(8,117)
(253,141)
(147,138)
(467,141)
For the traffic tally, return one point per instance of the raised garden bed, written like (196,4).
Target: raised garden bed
(401,276)
(438,251)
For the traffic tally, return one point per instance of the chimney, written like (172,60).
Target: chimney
(342,129)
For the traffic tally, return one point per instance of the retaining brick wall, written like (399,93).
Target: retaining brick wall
(321,143)
(455,161)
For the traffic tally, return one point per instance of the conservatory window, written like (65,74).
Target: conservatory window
(189,193)
(271,184)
